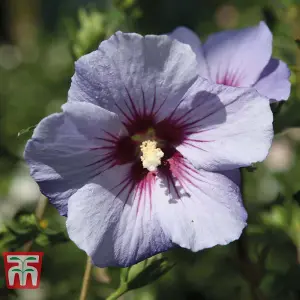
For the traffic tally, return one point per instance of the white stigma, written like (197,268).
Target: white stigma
(152,155)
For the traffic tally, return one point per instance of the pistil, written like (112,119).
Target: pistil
(151,155)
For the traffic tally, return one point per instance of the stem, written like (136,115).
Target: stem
(39,212)
(118,293)
(41,207)
(86,279)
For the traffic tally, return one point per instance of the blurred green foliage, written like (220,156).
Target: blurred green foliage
(37,52)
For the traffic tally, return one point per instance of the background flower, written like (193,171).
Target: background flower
(240,58)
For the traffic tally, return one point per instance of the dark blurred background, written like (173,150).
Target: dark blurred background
(39,41)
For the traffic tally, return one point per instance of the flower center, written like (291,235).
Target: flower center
(151,155)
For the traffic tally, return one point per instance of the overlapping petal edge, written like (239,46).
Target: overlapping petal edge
(240,58)
(87,163)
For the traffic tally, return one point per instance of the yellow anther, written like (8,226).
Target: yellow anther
(151,155)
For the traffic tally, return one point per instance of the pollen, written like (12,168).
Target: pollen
(151,155)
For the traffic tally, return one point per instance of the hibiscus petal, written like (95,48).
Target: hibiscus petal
(274,82)
(237,57)
(113,224)
(60,154)
(187,36)
(233,175)
(134,75)
(226,127)
(199,209)
(125,225)
(92,121)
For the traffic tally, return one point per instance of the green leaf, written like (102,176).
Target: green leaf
(42,240)
(21,229)
(142,274)
(90,33)
(48,237)
(16,270)
(277,217)
(147,272)
(94,27)
(58,237)
(286,218)
(28,220)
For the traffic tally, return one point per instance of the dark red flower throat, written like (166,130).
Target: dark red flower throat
(165,133)
(142,125)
